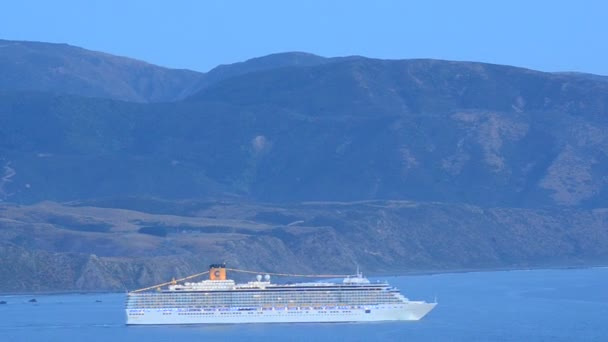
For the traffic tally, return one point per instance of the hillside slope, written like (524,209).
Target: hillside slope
(347,130)
(65,69)
(53,247)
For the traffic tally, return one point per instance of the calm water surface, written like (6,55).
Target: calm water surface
(538,305)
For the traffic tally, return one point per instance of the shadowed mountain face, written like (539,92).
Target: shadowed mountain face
(435,130)
(468,165)
(365,87)
(344,129)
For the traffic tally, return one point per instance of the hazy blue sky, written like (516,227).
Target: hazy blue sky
(546,35)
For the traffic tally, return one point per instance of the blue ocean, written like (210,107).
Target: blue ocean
(530,305)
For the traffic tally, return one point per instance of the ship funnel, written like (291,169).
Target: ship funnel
(217,272)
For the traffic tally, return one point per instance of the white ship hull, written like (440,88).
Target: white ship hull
(221,301)
(409,311)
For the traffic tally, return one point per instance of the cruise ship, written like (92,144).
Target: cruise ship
(219,300)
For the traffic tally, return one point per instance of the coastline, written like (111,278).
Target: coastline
(492,269)
(370,275)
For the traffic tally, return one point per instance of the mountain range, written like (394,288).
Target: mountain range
(392,164)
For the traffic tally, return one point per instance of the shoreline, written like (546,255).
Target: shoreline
(371,275)
(479,270)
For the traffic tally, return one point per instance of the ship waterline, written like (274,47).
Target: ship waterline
(222,301)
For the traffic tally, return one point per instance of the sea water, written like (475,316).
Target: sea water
(532,305)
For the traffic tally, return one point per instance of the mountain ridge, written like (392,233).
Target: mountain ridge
(61,61)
